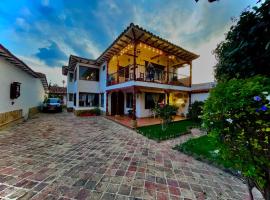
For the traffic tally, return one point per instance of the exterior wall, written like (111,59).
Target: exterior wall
(31,94)
(199,97)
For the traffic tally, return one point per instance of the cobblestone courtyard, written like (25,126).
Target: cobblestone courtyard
(60,156)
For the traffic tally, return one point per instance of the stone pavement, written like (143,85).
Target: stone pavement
(173,142)
(60,156)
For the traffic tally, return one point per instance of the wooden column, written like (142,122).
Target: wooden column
(190,74)
(117,74)
(107,104)
(134,60)
(168,98)
(168,75)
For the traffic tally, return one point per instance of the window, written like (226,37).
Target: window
(103,68)
(89,74)
(74,99)
(88,99)
(102,100)
(70,77)
(153,98)
(70,97)
(129,100)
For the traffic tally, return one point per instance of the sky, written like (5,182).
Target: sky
(43,33)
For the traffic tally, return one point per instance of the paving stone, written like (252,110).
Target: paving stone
(61,156)
(124,190)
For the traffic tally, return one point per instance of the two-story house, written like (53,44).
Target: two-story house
(137,71)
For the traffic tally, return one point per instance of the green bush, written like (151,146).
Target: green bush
(238,111)
(95,111)
(195,111)
(166,114)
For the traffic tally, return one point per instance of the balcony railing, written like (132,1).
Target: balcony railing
(142,74)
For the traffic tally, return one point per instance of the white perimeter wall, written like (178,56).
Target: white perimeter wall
(199,97)
(32,91)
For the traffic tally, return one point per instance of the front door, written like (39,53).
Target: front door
(117,103)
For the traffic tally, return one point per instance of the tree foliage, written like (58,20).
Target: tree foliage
(246,49)
(239,112)
(166,114)
(195,111)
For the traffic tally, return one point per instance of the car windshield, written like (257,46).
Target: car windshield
(53,100)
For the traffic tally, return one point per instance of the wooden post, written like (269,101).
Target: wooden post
(117,72)
(134,60)
(168,75)
(168,98)
(190,74)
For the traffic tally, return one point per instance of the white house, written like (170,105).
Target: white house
(138,70)
(22,89)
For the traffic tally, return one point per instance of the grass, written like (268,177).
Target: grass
(206,147)
(173,130)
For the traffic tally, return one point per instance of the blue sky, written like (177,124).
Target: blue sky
(43,33)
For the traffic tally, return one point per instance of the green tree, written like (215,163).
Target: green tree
(166,114)
(246,49)
(195,111)
(238,111)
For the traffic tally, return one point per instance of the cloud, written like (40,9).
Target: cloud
(51,31)
(54,75)
(51,55)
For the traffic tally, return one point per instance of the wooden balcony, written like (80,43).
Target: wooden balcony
(147,75)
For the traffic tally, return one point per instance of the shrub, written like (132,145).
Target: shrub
(195,111)
(239,112)
(91,112)
(166,114)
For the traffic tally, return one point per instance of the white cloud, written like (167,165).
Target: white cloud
(53,74)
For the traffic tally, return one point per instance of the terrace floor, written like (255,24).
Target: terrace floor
(61,156)
(126,121)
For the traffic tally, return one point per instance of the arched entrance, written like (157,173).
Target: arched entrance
(117,103)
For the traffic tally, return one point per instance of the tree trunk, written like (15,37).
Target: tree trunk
(250,187)
(267,193)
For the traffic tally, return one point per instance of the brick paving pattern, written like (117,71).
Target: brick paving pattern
(60,156)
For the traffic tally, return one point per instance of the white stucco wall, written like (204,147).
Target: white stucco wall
(199,97)
(32,91)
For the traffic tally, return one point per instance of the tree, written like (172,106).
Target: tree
(195,111)
(246,49)
(166,114)
(238,111)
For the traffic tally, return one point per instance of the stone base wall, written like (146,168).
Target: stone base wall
(33,111)
(8,117)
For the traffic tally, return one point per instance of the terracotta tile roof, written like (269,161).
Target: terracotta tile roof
(57,90)
(133,33)
(11,58)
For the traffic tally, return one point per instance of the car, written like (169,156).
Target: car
(52,104)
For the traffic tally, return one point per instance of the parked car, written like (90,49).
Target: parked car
(52,104)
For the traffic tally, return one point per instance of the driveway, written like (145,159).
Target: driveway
(60,156)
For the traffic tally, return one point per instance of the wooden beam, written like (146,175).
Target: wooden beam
(128,37)
(153,42)
(148,39)
(159,44)
(140,36)
(129,54)
(123,41)
(156,56)
(134,34)
(120,45)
